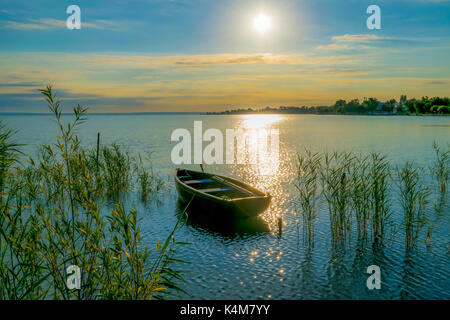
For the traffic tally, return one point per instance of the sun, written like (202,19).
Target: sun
(262,23)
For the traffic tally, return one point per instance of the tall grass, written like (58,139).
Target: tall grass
(360,194)
(52,217)
(441,170)
(380,202)
(336,189)
(115,167)
(413,197)
(9,152)
(360,189)
(149,183)
(357,190)
(307,186)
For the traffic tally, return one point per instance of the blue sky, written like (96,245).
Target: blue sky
(199,55)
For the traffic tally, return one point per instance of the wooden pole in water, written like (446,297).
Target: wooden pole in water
(280,226)
(98,147)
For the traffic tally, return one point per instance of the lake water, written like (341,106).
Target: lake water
(251,260)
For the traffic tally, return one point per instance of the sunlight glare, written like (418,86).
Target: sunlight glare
(262,23)
(260,121)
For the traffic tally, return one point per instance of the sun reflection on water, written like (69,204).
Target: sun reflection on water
(269,173)
(260,121)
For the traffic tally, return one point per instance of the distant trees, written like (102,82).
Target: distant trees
(425,105)
(371,104)
(354,106)
(389,106)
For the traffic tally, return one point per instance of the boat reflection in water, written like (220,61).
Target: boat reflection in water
(222,225)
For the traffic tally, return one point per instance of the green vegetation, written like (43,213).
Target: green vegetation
(53,215)
(379,178)
(359,190)
(360,194)
(336,190)
(115,168)
(413,197)
(149,183)
(307,186)
(441,173)
(425,105)
(441,170)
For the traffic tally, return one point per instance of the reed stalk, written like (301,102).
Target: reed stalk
(52,216)
(360,195)
(307,186)
(414,199)
(441,169)
(149,183)
(380,200)
(336,188)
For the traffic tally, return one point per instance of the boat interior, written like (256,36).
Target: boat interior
(213,185)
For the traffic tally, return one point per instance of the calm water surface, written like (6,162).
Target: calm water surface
(250,260)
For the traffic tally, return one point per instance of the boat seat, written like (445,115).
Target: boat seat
(198,181)
(212,190)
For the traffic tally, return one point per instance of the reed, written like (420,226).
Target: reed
(9,153)
(52,216)
(379,199)
(307,186)
(149,183)
(441,169)
(115,167)
(336,188)
(360,195)
(414,199)
(359,189)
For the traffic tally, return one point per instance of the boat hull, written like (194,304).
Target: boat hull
(204,203)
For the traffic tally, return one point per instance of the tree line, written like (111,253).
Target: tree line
(425,105)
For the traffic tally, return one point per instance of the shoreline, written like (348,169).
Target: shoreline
(225,114)
(328,114)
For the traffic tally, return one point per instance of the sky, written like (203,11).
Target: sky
(206,55)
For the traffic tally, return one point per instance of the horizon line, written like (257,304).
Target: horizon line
(102,113)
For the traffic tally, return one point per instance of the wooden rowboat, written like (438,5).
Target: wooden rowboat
(218,194)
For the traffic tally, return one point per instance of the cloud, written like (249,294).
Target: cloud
(187,61)
(334,46)
(358,38)
(121,82)
(343,47)
(49,23)
(352,42)
(30,84)
(436,82)
(22,26)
